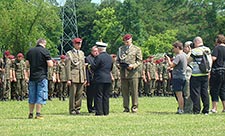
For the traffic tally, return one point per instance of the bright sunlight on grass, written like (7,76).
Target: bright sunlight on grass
(156,117)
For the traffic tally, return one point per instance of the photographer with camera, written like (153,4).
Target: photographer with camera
(179,65)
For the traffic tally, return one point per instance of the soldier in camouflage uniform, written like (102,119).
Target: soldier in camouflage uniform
(76,76)
(146,78)
(8,77)
(51,80)
(20,71)
(61,78)
(153,75)
(130,58)
(160,80)
(116,85)
(165,76)
(1,77)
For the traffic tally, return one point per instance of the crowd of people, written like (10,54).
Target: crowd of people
(100,76)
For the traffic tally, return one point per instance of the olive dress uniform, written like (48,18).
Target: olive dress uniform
(129,55)
(76,73)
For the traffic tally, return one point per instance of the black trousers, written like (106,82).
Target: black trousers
(91,92)
(199,90)
(102,98)
(217,85)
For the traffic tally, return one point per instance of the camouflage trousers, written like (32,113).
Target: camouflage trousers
(21,88)
(62,89)
(7,89)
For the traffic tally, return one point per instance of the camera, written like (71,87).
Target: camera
(192,45)
(169,54)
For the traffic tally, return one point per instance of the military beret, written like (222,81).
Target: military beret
(7,53)
(62,57)
(11,57)
(101,44)
(20,55)
(77,40)
(113,55)
(127,37)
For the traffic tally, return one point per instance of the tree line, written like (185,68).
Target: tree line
(154,24)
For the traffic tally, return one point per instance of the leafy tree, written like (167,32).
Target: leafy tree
(23,22)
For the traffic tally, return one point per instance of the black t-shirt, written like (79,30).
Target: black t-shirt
(219,53)
(37,58)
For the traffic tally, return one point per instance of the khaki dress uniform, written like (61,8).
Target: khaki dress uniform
(76,73)
(129,78)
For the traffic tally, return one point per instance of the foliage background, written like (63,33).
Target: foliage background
(154,24)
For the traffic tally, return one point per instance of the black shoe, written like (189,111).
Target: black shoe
(30,116)
(126,110)
(64,98)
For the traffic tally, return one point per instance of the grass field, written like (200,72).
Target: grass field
(156,117)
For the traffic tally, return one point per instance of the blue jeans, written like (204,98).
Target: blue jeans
(38,92)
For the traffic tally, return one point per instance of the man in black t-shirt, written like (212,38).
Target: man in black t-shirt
(38,59)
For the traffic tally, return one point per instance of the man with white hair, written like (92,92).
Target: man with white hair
(199,80)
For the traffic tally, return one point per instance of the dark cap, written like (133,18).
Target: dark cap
(77,40)
(101,44)
(127,37)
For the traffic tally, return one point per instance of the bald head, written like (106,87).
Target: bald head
(198,41)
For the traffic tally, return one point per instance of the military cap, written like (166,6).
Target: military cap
(20,55)
(101,44)
(127,37)
(7,53)
(77,40)
(11,57)
(62,57)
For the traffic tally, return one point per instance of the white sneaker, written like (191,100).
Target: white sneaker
(213,111)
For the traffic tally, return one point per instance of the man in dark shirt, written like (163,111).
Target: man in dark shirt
(38,59)
(103,79)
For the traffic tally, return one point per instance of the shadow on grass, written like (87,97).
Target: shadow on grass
(160,112)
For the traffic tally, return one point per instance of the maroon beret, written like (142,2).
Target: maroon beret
(11,57)
(77,40)
(7,53)
(127,37)
(20,55)
(63,57)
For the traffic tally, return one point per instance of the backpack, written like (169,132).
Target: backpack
(204,64)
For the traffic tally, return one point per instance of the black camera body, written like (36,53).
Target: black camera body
(169,54)
(192,45)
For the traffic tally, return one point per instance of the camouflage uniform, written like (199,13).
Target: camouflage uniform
(61,74)
(20,69)
(116,85)
(153,76)
(1,77)
(147,81)
(7,79)
(51,81)
(165,76)
(160,80)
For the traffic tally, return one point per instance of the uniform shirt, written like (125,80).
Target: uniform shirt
(179,70)
(219,53)
(38,57)
(19,67)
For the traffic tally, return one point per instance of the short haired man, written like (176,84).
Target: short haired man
(103,79)
(129,58)
(38,60)
(76,76)
(199,80)
(179,66)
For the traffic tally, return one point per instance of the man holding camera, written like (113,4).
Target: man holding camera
(129,58)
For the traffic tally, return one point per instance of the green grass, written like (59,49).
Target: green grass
(156,117)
